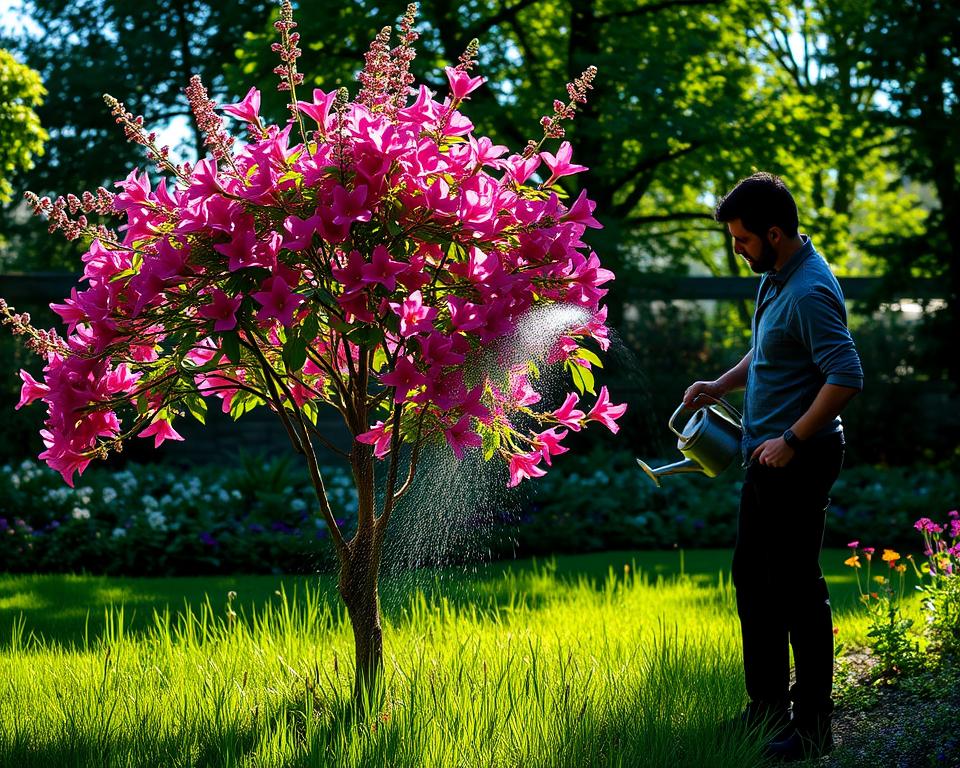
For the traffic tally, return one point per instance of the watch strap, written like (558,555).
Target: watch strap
(792,440)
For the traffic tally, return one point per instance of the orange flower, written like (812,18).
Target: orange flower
(890,556)
(853,562)
(901,568)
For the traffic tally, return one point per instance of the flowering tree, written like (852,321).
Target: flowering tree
(365,256)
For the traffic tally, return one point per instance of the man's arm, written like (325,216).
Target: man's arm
(826,406)
(830,400)
(734,379)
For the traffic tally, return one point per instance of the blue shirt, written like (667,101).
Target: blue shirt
(800,343)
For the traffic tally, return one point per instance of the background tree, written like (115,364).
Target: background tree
(21,134)
(85,48)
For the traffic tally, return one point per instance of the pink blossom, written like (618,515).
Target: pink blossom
(404,377)
(277,301)
(606,412)
(548,444)
(581,212)
(379,437)
(560,164)
(382,269)
(248,109)
(31,390)
(568,415)
(461,84)
(414,316)
(460,437)
(464,315)
(350,206)
(221,308)
(853,544)
(320,109)
(522,393)
(160,430)
(521,168)
(523,466)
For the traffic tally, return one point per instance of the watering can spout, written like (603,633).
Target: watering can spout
(677,468)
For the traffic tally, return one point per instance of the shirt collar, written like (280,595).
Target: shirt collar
(800,255)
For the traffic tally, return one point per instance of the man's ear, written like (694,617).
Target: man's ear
(774,236)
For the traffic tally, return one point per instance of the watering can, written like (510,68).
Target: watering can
(709,441)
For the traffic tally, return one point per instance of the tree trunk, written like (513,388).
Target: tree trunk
(359,578)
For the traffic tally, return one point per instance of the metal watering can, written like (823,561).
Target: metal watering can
(710,440)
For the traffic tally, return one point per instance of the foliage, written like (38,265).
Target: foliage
(255,518)
(144,49)
(896,651)
(149,520)
(941,585)
(21,92)
(893,642)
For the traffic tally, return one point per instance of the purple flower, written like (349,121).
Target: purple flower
(3,524)
(207,538)
(255,528)
(280,527)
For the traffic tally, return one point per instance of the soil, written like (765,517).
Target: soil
(907,722)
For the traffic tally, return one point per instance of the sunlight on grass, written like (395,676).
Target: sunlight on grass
(550,664)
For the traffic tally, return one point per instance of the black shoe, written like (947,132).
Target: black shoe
(803,741)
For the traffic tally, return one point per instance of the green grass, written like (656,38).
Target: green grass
(575,662)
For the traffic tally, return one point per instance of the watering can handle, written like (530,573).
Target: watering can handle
(719,400)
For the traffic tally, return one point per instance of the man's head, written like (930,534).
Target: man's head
(761,216)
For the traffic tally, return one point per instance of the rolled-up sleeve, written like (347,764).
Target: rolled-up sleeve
(821,326)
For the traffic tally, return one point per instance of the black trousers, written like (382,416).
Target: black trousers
(782,597)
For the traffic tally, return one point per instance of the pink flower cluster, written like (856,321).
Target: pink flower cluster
(387,244)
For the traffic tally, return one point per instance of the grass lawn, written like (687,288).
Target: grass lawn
(577,661)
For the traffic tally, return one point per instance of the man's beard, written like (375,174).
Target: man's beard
(768,257)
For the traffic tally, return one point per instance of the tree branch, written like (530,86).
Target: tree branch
(652,8)
(649,163)
(508,13)
(676,216)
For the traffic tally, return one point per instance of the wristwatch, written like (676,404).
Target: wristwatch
(792,440)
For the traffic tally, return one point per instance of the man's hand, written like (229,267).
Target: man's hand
(773,453)
(698,388)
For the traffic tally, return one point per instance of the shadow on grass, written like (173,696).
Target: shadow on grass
(77,611)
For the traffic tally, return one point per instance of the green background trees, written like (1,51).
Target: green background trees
(21,136)
(853,101)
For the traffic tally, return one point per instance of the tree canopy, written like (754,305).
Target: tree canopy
(21,134)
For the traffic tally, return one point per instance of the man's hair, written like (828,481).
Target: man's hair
(760,201)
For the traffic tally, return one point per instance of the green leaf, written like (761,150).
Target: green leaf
(365,336)
(590,357)
(197,407)
(582,377)
(230,343)
(379,359)
(491,442)
(294,353)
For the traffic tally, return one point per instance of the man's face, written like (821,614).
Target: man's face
(756,251)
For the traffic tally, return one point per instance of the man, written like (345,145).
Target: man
(801,372)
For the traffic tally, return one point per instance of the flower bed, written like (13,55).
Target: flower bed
(257,518)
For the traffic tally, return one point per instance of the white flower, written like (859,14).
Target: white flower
(109,495)
(236,494)
(149,502)
(223,496)
(80,513)
(119,533)
(298,505)
(157,521)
